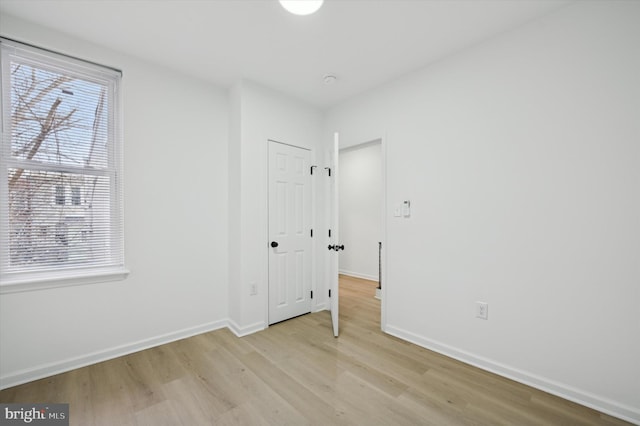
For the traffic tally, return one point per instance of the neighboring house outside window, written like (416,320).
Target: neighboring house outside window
(60,171)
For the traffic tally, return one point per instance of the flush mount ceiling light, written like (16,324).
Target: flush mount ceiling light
(301,7)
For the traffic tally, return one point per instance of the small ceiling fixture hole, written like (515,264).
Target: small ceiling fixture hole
(329,79)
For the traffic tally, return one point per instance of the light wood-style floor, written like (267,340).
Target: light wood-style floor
(296,373)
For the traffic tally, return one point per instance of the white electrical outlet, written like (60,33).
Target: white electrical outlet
(482,310)
(254,289)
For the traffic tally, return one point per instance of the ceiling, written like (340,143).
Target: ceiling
(363,42)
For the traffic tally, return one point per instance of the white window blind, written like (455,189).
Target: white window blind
(61,216)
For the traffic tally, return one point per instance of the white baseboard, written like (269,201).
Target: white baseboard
(31,374)
(587,399)
(378,294)
(247,329)
(358,275)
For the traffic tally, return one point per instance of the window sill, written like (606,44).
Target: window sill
(53,280)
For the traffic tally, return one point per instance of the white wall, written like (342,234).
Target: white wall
(175,147)
(260,114)
(520,157)
(360,209)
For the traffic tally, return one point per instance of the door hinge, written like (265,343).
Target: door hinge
(329,170)
(312,167)
(312,233)
(329,292)
(329,233)
(312,294)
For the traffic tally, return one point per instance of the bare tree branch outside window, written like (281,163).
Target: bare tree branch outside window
(59,144)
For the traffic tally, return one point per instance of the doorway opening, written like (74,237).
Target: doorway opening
(361,216)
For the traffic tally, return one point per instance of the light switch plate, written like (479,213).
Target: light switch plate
(406,208)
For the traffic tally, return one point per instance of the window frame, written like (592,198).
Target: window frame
(39,278)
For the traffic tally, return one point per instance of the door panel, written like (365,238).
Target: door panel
(298,207)
(289,232)
(335,235)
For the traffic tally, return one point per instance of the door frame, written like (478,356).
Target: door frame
(384,217)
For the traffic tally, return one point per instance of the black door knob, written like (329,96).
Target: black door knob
(340,247)
(274,244)
(330,247)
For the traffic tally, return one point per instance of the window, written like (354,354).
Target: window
(60,195)
(60,171)
(75,195)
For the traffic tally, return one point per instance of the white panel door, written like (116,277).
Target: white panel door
(289,232)
(334,241)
